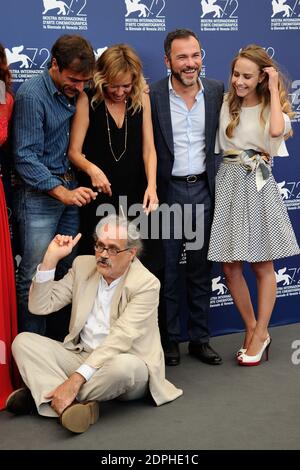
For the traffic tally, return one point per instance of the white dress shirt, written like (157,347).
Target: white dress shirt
(97,325)
(188,126)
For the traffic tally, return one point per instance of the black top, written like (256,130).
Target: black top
(127,176)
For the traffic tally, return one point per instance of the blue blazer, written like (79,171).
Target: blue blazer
(163,134)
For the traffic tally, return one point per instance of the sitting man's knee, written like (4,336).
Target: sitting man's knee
(20,342)
(125,367)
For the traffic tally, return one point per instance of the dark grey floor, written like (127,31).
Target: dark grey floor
(223,407)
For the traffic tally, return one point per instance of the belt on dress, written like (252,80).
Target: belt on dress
(253,161)
(190,178)
(67,176)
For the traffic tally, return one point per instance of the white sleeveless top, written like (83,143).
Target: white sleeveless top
(251,133)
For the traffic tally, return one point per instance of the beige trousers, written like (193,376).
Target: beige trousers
(44,364)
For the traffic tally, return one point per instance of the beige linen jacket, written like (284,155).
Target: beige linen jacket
(133,317)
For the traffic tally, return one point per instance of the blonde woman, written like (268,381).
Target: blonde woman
(251,222)
(112,137)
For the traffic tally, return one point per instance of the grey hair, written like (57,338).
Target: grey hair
(133,235)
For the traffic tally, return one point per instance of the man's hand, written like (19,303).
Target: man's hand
(60,247)
(73,197)
(64,395)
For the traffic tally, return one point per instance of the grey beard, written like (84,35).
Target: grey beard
(185,83)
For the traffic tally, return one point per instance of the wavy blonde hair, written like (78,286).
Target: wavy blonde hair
(260,57)
(116,61)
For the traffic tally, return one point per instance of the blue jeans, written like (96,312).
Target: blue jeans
(39,218)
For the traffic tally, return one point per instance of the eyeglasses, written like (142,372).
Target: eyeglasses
(111,251)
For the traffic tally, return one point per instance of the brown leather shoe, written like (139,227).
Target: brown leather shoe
(21,402)
(79,416)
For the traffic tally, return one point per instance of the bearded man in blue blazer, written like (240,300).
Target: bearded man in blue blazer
(185,113)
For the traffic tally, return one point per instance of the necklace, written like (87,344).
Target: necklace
(117,159)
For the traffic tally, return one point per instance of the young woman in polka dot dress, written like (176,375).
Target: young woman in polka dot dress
(251,222)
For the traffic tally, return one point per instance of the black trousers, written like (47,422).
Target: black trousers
(193,199)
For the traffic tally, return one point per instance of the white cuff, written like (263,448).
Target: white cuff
(44,276)
(86,371)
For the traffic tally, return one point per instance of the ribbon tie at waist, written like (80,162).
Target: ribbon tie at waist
(253,161)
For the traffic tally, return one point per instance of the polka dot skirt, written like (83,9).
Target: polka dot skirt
(249,225)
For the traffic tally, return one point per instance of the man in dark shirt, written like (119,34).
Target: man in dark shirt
(48,197)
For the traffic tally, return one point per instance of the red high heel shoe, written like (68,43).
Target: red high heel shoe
(245,360)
